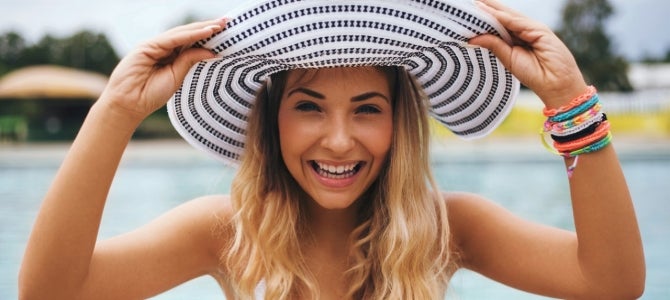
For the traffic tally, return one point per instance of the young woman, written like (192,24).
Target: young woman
(334,196)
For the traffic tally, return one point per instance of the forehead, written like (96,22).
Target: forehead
(336,76)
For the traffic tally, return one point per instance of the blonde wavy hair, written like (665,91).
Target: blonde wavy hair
(400,247)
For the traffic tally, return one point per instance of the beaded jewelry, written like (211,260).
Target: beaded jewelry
(577,128)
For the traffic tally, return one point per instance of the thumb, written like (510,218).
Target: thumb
(498,46)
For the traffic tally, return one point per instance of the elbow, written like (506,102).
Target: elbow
(631,289)
(628,281)
(620,284)
(634,286)
(635,290)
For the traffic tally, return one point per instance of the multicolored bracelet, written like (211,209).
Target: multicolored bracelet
(579,131)
(590,92)
(577,128)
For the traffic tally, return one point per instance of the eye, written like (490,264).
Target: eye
(368,109)
(307,106)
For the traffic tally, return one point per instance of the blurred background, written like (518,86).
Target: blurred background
(56,56)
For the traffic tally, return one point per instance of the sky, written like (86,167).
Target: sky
(638,28)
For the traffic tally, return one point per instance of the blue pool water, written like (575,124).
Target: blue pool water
(156,177)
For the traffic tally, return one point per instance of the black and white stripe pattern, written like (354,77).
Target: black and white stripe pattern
(469,89)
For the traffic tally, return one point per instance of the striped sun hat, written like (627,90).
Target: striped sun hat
(470,91)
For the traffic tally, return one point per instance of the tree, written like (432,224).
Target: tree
(89,51)
(583,31)
(12,46)
(84,50)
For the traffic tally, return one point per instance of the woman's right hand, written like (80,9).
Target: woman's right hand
(145,79)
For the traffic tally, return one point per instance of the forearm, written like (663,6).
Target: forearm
(609,244)
(64,235)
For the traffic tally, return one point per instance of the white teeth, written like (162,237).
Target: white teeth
(331,171)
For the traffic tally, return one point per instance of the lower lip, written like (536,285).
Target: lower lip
(335,183)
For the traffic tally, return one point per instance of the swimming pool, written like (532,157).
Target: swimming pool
(520,175)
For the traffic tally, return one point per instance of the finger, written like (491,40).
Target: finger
(506,17)
(497,6)
(187,59)
(188,36)
(498,46)
(172,44)
(201,24)
(512,20)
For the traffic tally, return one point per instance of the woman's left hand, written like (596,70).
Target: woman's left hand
(538,58)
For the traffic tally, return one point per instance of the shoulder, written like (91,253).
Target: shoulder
(217,206)
(204,210)
(213,212)
(462,204)
(473,218)
(464,211)
(203,221)
(468,213)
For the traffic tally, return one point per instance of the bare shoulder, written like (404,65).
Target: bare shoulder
(217,206)
(473,218)
(465,210)
(212,214)
(462,204)
(206,210)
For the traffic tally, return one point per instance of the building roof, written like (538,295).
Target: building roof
(48,81)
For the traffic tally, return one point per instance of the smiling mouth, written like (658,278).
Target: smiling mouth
(336,172)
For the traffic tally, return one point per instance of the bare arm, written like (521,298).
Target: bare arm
(60,250)
(604,259)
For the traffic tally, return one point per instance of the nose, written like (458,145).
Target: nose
(338,135)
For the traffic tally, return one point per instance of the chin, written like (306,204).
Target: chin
(335,203)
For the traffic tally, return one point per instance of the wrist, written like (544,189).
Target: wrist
(577,127)
(115,116)
(561,97)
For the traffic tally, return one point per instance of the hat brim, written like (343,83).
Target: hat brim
(469,89)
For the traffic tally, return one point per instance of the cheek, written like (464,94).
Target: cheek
(293,137)
(377,139)
(286,133)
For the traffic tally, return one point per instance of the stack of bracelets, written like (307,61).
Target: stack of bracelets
(577,128)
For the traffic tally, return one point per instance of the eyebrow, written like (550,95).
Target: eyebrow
(318,95)
(368,95)
(307,92)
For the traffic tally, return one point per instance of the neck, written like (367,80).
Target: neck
(329,228)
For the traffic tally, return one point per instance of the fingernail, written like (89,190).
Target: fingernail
(468,45)
(213,27)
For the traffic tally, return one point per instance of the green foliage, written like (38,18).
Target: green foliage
(12,46)
(583,31)
(84,50)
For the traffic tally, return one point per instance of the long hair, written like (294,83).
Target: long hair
(400,248)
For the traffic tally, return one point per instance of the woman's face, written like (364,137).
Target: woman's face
(335,131)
